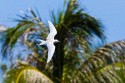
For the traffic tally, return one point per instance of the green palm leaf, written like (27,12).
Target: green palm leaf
(25,24)
(25,74)
(11,36)
(106,65)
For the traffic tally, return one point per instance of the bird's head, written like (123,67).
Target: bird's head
(56,41)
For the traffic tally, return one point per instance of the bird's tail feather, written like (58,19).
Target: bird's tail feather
(42,42)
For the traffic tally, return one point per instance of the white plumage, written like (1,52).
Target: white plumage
(50,41)
(53,31)
(51,50)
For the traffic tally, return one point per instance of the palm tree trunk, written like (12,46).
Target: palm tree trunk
(58,59)
(58,64)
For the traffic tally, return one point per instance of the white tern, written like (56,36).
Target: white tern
(50,41)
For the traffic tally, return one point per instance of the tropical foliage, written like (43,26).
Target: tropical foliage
(106,65)
(25,74)
(72,61)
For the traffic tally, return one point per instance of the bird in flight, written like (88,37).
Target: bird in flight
(50,41)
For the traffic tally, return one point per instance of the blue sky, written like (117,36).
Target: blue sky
(110,12)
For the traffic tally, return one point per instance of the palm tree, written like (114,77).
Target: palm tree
(76,31)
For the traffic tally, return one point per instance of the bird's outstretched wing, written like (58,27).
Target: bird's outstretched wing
(51,50)
(53,31)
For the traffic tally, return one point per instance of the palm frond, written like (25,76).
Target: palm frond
(25,24)
(11,35)
(81,21)
(25,74)
(104,65)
